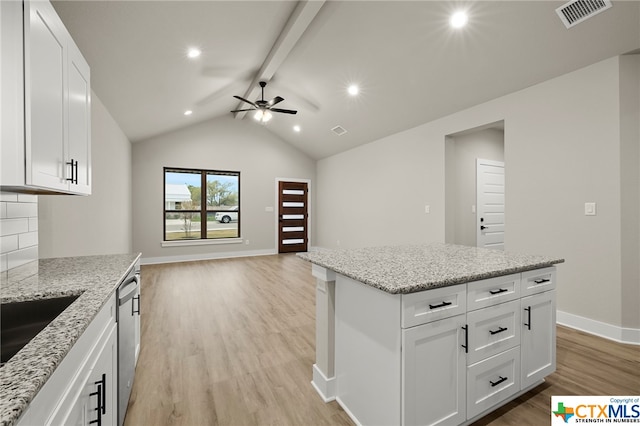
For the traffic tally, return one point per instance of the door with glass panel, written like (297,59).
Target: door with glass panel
(292,216)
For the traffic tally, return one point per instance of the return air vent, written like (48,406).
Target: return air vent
(339,130)
(577,11)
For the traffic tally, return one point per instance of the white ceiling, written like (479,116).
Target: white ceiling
(411,66)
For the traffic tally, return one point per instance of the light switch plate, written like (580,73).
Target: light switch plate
(589,209)
(427,209)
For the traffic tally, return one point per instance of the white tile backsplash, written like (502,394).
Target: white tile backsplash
(22,210)
(28,239)
(18,229)
(8,243)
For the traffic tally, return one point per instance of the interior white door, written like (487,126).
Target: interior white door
(490,204)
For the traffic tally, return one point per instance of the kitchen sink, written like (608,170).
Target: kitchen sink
(22,321)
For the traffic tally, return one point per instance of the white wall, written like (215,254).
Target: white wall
(630,191)
(461,152)
(562,148)
(72,225)
(220,144)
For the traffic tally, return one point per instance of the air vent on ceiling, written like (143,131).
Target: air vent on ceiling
(339,130)
(577,11)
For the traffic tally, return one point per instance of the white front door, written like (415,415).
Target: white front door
(490,204)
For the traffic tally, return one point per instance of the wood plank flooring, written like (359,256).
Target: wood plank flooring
(231,342)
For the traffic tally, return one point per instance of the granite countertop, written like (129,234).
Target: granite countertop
(93,278)
(408,269)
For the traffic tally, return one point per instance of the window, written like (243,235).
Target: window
(191,213)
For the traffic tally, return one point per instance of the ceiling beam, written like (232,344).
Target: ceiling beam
(296,25)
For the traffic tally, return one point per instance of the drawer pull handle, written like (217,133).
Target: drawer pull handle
(499,330)
(501,290)
(541,281)
(101,396)
(74,176)
(496,383)
(528,323)
(466,339)
(440,305)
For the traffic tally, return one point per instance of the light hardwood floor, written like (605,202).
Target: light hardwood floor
(231,342)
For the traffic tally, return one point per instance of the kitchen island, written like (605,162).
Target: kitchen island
(431,334)
(94,280)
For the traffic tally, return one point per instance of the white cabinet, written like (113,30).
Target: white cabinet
(434,373)
(445,356)
(538,337)
(96,399)
(53,154)
(86,377)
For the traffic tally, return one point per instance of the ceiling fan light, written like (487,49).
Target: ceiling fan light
(262,115)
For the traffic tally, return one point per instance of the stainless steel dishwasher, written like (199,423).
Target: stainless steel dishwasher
(128,308)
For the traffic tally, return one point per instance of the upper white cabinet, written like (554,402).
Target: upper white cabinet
(53,154)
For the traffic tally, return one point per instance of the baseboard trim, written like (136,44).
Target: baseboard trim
(326,388)
(619,334)
(206,256)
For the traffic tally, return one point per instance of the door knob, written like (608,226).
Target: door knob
(482,227)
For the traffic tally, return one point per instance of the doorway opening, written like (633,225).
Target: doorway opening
(463,211)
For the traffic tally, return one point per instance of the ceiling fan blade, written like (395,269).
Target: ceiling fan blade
(244,100)
(286,111)
(243,110)
(276,100)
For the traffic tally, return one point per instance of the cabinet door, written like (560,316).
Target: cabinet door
(45,96)
(98,391)
(538,337)
(434,373)
(79,113)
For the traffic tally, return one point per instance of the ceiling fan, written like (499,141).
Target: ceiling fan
(264,108)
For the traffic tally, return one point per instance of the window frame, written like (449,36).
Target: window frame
(203,211)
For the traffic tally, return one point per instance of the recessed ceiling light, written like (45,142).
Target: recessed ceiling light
(296,128)
(353,90)
(459,19)
(193,53)
(188,112)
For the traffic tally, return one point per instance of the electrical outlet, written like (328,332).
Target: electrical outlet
(427,209)
(246,242)
(589,209)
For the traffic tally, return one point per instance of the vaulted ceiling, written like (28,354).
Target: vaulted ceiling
(411,66)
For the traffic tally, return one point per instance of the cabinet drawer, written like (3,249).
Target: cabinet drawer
(493,330)
(491,381)
(492,291)
(430,305)
(538,280)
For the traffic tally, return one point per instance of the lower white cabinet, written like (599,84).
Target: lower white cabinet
(445,356)
(459,368)
(95,400)
(434,372)
(538,337)
(83,389)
